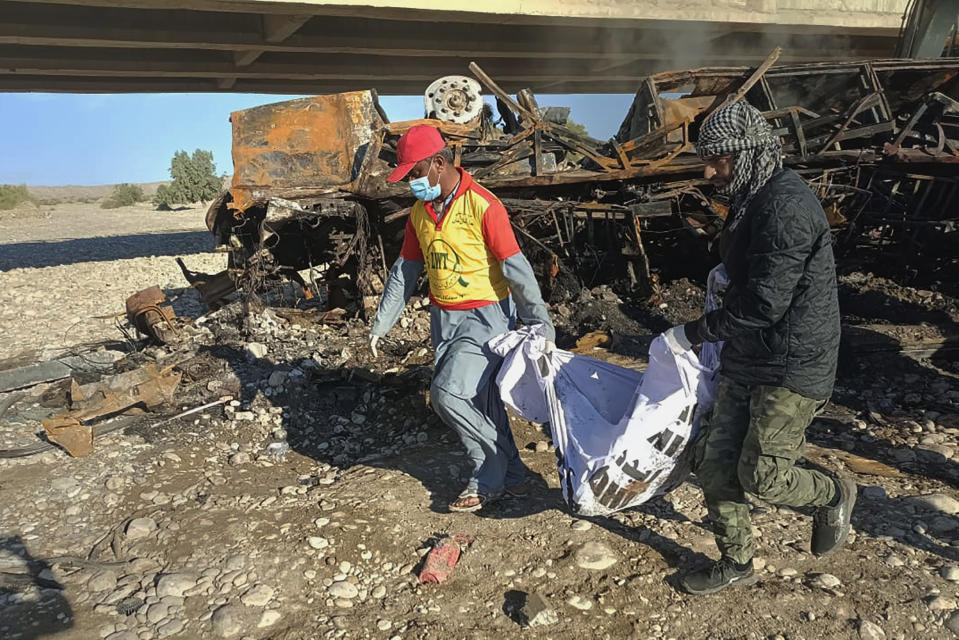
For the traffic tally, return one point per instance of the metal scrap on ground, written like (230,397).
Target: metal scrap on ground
(147,387)
(147,311)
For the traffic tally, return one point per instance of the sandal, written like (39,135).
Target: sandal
(481,500)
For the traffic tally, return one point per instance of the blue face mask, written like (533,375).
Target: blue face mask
(423,190)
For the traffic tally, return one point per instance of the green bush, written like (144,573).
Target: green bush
(576,127)
(12,195)
(194,180)
(123,196)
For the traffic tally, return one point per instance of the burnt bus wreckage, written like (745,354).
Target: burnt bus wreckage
(878,141)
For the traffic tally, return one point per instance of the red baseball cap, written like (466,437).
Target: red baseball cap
(419,143)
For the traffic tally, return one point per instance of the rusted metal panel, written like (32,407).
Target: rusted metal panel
(213,287)
(66,431)
(147,387)
(311,144)
(147,312)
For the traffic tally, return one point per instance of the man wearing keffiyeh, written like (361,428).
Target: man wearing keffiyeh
(741,131)
(779,325)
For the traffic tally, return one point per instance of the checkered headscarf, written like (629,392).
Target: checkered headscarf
(740,129)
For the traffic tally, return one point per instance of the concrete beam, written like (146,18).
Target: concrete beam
(935,19)
(246,57)
(47,84)
(126,67)
(584,45)
(249,48)
(56,61)
(848,13)
(276,29)
(122,28)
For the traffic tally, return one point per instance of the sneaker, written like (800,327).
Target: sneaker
(718,576)
(831,523)
(520,490)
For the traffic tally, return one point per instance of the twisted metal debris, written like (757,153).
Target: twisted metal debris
(877,140)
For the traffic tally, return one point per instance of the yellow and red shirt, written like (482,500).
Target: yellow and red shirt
(462,252)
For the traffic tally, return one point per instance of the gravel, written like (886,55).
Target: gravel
(61,286)
(323,539)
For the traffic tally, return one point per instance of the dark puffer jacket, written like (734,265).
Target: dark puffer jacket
(780,314)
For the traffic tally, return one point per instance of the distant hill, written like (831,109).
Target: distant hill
(90,193)
(77,193)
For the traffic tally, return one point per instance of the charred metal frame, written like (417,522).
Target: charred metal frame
(878,140)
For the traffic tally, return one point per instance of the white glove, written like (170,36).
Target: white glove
(373,341)
(676,340)
(549,348)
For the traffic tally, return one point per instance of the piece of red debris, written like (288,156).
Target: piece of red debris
(442,558)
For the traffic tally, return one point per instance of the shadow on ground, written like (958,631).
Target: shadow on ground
(31,255)
(434,456)
(32,604)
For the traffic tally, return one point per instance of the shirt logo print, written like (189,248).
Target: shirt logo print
(444,264)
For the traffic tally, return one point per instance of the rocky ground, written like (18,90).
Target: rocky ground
(66,269)
(302,505)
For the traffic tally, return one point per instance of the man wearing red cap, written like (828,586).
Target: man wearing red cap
(462,234)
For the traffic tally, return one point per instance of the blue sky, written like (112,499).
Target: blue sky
(59,139)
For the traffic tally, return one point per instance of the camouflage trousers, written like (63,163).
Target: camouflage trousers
(751,444)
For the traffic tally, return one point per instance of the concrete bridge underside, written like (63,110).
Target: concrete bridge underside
(400,46)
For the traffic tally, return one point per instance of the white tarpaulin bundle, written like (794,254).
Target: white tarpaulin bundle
(620,435)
